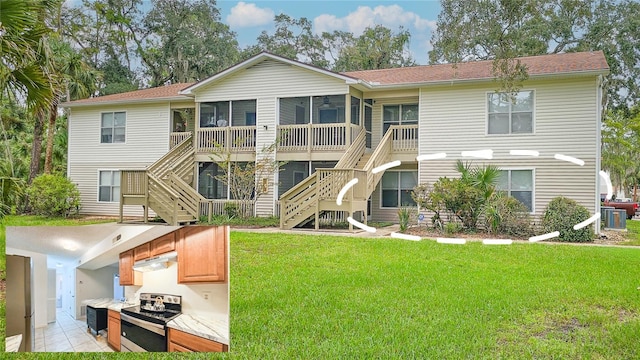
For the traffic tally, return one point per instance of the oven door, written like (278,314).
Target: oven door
(139,335)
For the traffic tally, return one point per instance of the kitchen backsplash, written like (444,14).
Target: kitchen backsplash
(193,296)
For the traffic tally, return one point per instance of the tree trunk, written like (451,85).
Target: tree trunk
(36,147)
(48,158)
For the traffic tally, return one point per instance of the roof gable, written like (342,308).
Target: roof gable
(258,59)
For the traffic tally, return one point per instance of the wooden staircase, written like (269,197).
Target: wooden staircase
(307,200)
(165,186)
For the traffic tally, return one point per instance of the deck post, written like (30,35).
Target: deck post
(309,137)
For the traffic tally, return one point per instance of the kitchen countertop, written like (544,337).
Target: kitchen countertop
(107,303)
(212,329)
(12,343)
(117,306)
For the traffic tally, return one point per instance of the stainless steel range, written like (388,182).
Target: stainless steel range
(144,327)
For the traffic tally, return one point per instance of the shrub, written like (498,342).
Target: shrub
(231,210)
(53,195)
(452,228)
(561,215)
(404,216)
(506,215)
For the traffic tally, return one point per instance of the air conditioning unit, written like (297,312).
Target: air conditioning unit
(615,219)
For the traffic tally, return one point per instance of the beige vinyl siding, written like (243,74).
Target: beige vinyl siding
(146,134)
(146,140)
(454,119)
(271,78)
(86,176)
(266,115)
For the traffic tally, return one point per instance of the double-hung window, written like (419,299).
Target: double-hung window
(518,184)
(508,115)
(397,187)
(399,115)
(112,127)
(109,186)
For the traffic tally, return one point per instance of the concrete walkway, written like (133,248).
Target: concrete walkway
(381,232)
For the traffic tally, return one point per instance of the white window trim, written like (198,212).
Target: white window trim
(126,136)
(533,184)
(399,116)
(380,207)
(533,115)
(98,187)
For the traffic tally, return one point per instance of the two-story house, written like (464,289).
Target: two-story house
(153,147)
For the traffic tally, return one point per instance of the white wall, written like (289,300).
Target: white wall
(166,282)
(39,290)
(93,284)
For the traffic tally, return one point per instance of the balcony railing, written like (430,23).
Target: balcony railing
(234,138)
(315,137)
(177,137)
(405,139)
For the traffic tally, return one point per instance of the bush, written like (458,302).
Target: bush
(231,210)
(561,215)
(452,228)
(53,195)
(404,216)
(506,215)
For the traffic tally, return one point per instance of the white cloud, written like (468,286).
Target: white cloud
(249,15)
(391,16)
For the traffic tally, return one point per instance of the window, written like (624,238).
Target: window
(519,184)
(510,117)
(112,127)
(250,118)
(355,110)
(397,187)
(399,115)
(214,114)
(109,186)
(209,185)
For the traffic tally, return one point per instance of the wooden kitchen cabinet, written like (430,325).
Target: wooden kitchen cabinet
(113,329)
(142,252)
(127,275)
(184,342)
(202,254)
(163,244)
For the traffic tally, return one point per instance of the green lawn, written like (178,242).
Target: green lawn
(333,297)
(633,232)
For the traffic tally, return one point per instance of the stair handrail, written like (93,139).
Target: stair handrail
(379,156)
(167,192)
(350,158)
(188,197)
(184,145)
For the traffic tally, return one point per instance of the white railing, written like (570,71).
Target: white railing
(176,138)
(316,137)
(234,138)
(212,207)
(405,138)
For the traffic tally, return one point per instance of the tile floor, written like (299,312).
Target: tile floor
(69,335)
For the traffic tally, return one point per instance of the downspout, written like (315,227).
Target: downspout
(599,109)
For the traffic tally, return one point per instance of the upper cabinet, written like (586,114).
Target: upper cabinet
(127,275)
(142,252)
(163,244)
(202,254)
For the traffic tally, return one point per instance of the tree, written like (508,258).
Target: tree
(188,42)
(376,48)
(22,34)
(293,39)
(621,148)
(503,30)
(72,79)
(244,179)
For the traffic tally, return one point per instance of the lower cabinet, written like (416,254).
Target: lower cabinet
(113,330)
(184,342)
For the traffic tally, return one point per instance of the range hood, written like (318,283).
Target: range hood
(155,263)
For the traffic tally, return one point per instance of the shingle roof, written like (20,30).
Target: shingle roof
(160,92)
(475,70)
(536,65)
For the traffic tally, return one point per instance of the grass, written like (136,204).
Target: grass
(253,222)
(298,296)
(35,220)
(633,233)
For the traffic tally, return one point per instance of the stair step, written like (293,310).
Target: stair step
(363,161)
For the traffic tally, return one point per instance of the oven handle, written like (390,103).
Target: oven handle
(156,328)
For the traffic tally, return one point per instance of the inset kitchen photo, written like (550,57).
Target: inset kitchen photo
(114,287)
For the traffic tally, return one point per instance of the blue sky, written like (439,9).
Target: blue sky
(249,18)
